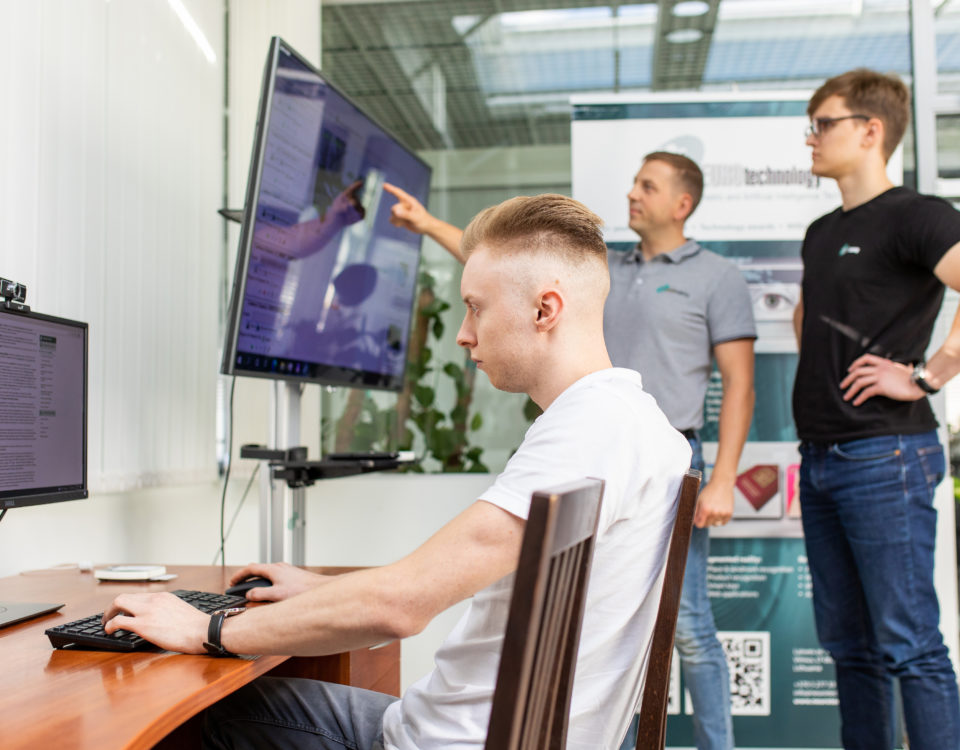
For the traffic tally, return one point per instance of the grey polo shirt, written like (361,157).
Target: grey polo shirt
(664,316)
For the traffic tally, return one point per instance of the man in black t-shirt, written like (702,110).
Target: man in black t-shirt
(874,275)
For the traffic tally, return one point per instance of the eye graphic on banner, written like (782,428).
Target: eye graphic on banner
(775,301)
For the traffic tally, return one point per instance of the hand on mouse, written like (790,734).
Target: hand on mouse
(287,581)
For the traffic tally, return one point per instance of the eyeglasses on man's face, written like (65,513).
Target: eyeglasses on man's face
(820,125)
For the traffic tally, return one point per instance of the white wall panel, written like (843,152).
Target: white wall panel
(112,152)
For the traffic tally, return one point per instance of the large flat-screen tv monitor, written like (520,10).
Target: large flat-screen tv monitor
(324,285)
(43,409)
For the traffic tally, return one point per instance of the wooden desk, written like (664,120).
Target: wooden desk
(95,699)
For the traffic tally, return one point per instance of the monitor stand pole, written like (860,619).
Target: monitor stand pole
(277,537)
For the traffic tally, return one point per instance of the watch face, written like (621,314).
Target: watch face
(229,611)
(919,376)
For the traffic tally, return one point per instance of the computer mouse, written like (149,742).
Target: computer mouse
(240,588)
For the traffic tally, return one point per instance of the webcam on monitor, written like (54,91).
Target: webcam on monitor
(13,295)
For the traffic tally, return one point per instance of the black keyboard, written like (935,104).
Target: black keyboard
(88,632)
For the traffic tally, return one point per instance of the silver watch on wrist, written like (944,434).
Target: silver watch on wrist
(213,645)
(920,375)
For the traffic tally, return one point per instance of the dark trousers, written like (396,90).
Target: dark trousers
(870,528)
(291,713)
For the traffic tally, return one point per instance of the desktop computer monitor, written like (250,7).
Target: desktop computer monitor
(43,409)
(324,284)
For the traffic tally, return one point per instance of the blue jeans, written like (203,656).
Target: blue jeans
(274,712)
(870,528)
(702,661)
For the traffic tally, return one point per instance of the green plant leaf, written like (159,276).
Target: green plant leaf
(454,371)
(530,410)
(431,418)
(438,328)
(434,308)
(424,394)
(441,444)
(477,422)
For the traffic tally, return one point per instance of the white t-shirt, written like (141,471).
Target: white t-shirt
(603,426)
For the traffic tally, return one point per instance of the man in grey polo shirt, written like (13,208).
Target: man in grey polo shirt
(673,306)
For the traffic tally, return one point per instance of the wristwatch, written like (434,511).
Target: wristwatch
(212,644)
(920,375)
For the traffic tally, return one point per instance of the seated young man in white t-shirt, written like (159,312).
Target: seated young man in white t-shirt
(534,286)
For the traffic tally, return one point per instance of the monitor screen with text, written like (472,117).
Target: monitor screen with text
(43,409)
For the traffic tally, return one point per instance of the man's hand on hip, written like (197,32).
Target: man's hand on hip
(871,376)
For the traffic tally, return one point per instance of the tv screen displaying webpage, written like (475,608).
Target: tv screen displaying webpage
(324,284)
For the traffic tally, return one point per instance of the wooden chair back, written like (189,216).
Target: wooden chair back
(652,731)
(531,701)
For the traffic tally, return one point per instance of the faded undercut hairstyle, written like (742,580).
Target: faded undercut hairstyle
(866,92)
(548,222)
(688,174)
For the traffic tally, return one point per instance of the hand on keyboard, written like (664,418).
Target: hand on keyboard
(163,619)
(145,623)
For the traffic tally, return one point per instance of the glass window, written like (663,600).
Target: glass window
(482,90)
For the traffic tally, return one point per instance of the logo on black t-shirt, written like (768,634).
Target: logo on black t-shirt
(849,249)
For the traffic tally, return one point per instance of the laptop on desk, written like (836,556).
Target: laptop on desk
(13,612)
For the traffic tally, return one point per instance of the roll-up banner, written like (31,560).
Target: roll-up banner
(759,197)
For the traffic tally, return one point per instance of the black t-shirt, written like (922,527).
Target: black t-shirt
(869,287)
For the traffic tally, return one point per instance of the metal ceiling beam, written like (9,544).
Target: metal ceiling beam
(414,127)
(680,65)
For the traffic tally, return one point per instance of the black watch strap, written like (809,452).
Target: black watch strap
(919,376)
(212,644)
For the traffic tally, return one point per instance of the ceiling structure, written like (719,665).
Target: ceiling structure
(447,74)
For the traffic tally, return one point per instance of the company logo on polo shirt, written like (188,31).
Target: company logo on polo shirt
(668,288)
(849,249)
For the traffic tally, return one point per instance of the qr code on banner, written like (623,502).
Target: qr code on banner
(748,658)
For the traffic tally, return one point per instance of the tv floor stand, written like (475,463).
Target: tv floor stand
(283,531)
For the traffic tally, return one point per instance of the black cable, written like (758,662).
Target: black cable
(236,512)
(226,474)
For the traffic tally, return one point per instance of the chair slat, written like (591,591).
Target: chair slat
(531,702)
(652,731)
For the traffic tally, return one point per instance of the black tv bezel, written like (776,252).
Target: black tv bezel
(330,375)
(46,495)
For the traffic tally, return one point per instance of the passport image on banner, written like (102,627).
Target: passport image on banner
(765,497)
(759,484)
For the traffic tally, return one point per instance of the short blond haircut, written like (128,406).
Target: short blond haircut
(866,92)
(549,223)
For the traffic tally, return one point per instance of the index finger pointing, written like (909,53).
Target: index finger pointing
(396,192)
